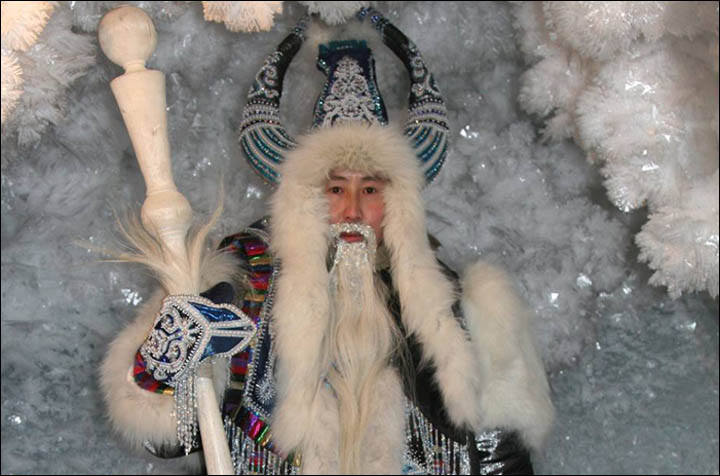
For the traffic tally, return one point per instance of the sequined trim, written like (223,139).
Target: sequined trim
(429,451)
(250,457)
(252,250)
(252,446)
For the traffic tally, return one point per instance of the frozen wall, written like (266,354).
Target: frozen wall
(634,373)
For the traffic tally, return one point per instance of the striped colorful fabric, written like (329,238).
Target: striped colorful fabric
(252,250)
(146,381)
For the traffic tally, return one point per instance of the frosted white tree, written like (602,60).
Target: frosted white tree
(40,45)
(243,16)
(635,84)
(22,23)
(634,373)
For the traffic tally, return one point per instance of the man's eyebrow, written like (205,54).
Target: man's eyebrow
(365,178)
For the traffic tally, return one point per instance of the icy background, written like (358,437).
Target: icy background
(634,373)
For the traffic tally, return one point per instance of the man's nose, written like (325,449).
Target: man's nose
(353,212)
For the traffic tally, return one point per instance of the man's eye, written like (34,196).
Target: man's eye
(370,190)
(335,190)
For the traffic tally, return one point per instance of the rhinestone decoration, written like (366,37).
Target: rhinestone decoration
(350,93)
(257,396)
(349,98)
(188,329)
(251,457)
(429,451)
(263,138)
(185,327)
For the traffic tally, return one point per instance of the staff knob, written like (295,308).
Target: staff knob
(127,36)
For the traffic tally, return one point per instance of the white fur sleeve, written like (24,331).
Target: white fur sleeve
(137,414)
(514,390)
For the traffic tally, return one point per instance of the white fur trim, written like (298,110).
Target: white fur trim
(385,436)
(321,450)
(300,312)
(514,389)
(137,414)
(385,441)
(299,238)
(426,295)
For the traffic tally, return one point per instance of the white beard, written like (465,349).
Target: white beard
(361,338)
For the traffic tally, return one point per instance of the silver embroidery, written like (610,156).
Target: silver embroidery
(266,78)
(266,388)
(181,333)
(177,343)
(253,368)
(349,99)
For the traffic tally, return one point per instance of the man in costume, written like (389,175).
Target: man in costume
(351,351)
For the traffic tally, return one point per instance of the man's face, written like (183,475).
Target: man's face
(356,197)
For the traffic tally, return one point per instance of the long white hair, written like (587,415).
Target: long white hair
(362,338)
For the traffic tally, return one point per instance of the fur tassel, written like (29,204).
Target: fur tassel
(243,16)
(514,389)
(145,249)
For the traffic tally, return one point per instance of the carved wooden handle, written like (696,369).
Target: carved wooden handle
(127,36)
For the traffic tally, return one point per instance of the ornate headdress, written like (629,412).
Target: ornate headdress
(350,95)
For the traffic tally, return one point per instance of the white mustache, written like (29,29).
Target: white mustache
(365,230)
(343,248)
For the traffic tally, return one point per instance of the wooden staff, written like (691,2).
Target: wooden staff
(127,36)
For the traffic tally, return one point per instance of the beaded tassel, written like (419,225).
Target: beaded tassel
(440,454)
(186,412)
(251,457)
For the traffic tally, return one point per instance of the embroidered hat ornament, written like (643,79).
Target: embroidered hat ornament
(350,95)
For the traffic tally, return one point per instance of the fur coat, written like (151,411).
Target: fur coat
(489,375)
